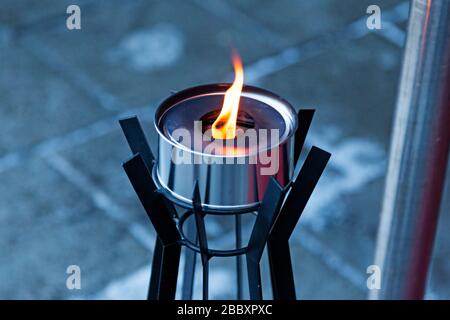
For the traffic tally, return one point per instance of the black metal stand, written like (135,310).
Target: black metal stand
(276,218)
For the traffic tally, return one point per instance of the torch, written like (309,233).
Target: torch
(229,150)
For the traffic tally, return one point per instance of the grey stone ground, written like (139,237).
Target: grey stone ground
(64,198)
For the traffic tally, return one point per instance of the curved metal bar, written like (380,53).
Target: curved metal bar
(185,241)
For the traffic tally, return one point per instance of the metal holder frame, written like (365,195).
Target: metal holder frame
(276,217)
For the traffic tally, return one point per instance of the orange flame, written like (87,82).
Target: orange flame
(225,125)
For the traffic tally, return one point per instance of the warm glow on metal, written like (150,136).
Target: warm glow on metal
(225,125)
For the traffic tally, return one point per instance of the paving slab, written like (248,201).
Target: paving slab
(297,21)
(25,13)
(36,103)
(109,152)
(47,224)
(140,51)
(314,280)
(352,86)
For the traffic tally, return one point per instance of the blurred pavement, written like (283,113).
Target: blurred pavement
(64,198)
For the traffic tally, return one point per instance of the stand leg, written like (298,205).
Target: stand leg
(264,221)
(169,272)
(162,219)
(281,273)
(254,279)
(304,118)
(190,259)
(156,271)
(238,258)
(136,139)
(202,239)
(205,281)
(278,243)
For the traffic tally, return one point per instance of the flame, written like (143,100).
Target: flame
(225,125)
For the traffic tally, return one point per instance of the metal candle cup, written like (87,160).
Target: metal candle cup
(228,181)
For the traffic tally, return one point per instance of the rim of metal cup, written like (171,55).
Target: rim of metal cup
(284,108)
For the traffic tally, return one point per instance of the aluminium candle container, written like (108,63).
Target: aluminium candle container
(231,176)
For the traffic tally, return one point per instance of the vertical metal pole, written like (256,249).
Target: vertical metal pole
(418,155)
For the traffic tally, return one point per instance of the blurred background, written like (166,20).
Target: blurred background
(64,198)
